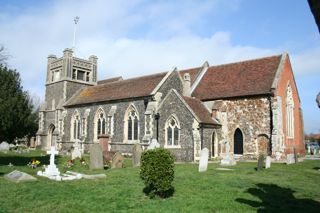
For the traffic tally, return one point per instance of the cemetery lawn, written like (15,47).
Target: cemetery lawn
(282,188)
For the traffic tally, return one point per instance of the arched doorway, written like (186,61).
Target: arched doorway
(263,144)
(214,145)
(50,138)
(238,142)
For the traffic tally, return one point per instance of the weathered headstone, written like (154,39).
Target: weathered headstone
(76,152)
(104,142)
(96,159)
(154,144)
(136,155)
(17,176)
(268,162)
(295,155)
(309,150)
(4,146)
(228,159)
(32,142)
(203,164)
(117,161)
(260,162)
(290,159)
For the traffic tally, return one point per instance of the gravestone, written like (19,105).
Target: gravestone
(76,152)
(52,169)
(203,164)
(4,146)
(136,155)
(309,150)
(104,142)
(260,162)
(17,176)
(32,142)
(96,158)
(268,162)
(154,144)
(117,161)
(290,159)
(228,159)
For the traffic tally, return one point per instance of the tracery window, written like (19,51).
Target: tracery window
(172,132)
(99,123)
(132,124)
(289,113)
(75,125)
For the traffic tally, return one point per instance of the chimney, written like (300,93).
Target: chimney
(186,85)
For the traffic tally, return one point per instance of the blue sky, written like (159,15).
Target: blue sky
(138,37)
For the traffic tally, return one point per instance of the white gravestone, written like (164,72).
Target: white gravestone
(228,160)
(203,164)
(290,159)
(76,152)
(4,146)
(268,162)
(52,169)
(154,144)
(309,150)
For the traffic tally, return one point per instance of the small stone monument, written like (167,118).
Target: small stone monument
(228,160)
(4,146)
(309,150)
(154,144)
(136,155)
(260,162)
(104,142)
(268,162)
(17,176)
(96,158)
(32,142)
(76,152)
(203,164)
(295,155)
(52,169)
(290,159)
(117,161)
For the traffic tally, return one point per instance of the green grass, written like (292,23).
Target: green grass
(292,188)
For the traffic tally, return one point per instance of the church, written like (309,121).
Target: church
(252,106)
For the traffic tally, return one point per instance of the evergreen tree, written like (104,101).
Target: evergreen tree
(18,118)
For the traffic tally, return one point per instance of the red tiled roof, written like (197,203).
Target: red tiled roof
(200,110)
(130,88)
(109,80)
(194,72)
(253,77)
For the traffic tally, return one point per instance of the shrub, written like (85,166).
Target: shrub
(157,172)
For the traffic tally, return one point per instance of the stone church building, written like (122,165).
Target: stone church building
(253,105)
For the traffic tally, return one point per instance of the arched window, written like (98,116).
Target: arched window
(238,142)
(132,124)
(172,132)
(289,113)
(75,125)
(99,124)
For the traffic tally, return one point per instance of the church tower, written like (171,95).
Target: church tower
(65,77)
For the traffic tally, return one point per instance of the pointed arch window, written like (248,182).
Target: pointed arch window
(132,125)
(99,124)
(289,113)
(75,126)
(172,132)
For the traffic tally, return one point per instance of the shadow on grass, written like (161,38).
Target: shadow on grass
(1,173)
(278,199)
(316,168)
(149,191)
(23,160)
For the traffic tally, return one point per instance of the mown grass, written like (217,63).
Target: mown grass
(292,188)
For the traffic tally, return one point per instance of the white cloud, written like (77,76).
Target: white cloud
(306,62)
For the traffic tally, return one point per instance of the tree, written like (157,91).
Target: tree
(3,55)
(18,118)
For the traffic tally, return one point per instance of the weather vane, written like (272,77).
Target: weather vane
(76,20)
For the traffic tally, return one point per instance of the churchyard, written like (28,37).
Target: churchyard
(238,188)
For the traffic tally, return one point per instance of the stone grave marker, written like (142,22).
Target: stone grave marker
(32,142)
(260,162)
(136,155)
(96,158)
(154,144)
(117,161)
(268,162)
(76,152)
(290,159)
(295,155)
(52,169)
(228,159)
(17,176)
(4,146)
(203,164)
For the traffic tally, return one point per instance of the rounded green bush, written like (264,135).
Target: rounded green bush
(157,172)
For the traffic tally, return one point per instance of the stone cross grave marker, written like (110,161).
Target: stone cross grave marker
(260,162)
(203,164)
(268,162)
(96,158)
(52,169)
(136,155)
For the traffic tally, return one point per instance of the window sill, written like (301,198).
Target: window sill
(173,147)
